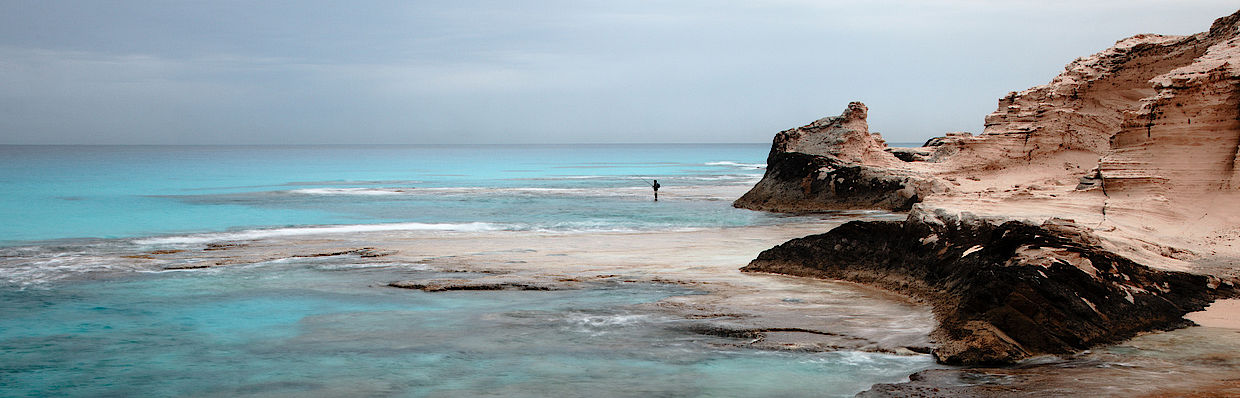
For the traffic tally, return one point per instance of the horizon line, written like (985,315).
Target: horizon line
(428,144)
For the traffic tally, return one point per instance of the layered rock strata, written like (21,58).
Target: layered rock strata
(1185,137)
(1152,113)
(1139,142)
(1002,291)
(834,163)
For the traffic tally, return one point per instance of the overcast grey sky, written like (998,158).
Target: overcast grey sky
(572,71)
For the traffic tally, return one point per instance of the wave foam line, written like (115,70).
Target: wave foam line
(736,164)
(302,231)
(348,191)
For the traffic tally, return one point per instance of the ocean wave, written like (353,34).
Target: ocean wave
(754,166)
(33,272)
(729,177)
(317,230)
(312,183)
(605,226)
(349,191)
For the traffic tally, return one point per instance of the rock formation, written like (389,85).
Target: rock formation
(833,163)
(1137,143)
(1151,109)
(1186,135)
(1001,291)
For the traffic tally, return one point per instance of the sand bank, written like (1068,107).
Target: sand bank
(1220,314)
(771,311)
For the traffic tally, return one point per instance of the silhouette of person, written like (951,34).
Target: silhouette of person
(656,190)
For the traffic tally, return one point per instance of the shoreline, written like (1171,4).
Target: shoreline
(1223,314)
(767,311)
(781,312)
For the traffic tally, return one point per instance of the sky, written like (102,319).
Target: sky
(572,71)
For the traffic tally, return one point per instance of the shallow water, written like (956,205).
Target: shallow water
(86,310)
(328,327)
(70,192)
(1195,361)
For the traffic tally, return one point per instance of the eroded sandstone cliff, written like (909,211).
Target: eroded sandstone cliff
(1138,144)
(834,163)
(1153,112)
(1184,138)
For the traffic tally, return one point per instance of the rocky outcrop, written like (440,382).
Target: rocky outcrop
(1140,139)
(1114,91)
(1002,291)
(1151,112)
(833,163)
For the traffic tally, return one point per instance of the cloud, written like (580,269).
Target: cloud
(550,71)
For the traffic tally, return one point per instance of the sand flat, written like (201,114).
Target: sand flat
(1220,314)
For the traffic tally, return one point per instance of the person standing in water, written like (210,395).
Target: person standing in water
(655,185)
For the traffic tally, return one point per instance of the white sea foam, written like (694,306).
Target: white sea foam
(349,191)
(744,177)
(39,271)
(595,321)
(598,325)
(737,164)
(317,230)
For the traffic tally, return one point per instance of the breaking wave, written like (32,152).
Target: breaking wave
(750,166)
(317,230)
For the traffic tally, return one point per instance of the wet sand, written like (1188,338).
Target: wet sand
(1221,314)
(778,312)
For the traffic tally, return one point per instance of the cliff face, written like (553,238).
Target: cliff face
(1138,143)
(1001,292)
(1152,112)
(1082,107)
(1185,137)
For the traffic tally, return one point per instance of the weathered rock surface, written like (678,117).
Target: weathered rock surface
(1184,137)
(1139,142)
(1114,103)
(1152,112)
(1001,291)
(834,163)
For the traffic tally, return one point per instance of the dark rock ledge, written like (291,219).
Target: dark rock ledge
(1005,291)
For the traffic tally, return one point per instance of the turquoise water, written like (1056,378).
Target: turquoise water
(60,192)
(322,328)
(76,321)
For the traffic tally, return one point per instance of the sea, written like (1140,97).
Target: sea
(76,322)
